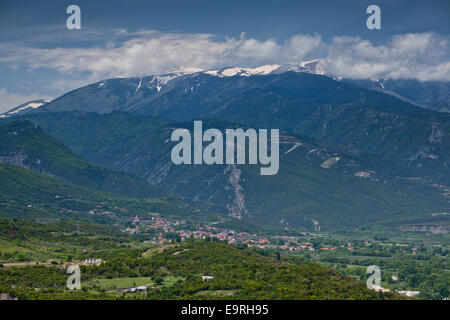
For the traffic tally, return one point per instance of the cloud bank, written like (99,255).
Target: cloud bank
(152,53)
(422,56)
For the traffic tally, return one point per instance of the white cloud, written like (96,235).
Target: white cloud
(423,56)
(10,100)
(151,52)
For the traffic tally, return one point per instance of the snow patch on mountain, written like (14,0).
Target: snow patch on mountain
(159,81)
(295,146)
(139,85)
(311,66)
(27,106)
(314,66)
(244,72)
(327,164)
(32,105)
(163,79)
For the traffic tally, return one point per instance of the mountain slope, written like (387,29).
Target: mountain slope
(25,144)
(316,187)
(298,102)
(30,195)
(434,95)
(395,131)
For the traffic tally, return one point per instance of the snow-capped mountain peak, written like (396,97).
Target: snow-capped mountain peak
(25,107)
(311,66)
(159,81)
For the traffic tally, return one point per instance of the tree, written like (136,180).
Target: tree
(159,280)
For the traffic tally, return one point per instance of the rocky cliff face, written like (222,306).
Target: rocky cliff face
(437,229)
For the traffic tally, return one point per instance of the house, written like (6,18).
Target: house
(141,289)
(409,293)
(207,278)
(379,289)
(93,261)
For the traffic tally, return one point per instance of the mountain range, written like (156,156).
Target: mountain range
(350,156)
(317,186)
(305,103)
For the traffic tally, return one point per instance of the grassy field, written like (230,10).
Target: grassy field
(215,293)
(121,283)
(156,249)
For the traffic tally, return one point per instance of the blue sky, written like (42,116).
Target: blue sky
(40,57)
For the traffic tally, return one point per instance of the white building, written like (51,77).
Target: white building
(207,278)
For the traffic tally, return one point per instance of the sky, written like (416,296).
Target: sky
(41,58)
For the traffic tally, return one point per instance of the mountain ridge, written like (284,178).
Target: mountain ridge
(314,182)
(24,108)
(24,144)
(302,103)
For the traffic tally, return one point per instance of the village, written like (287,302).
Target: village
(161,230)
